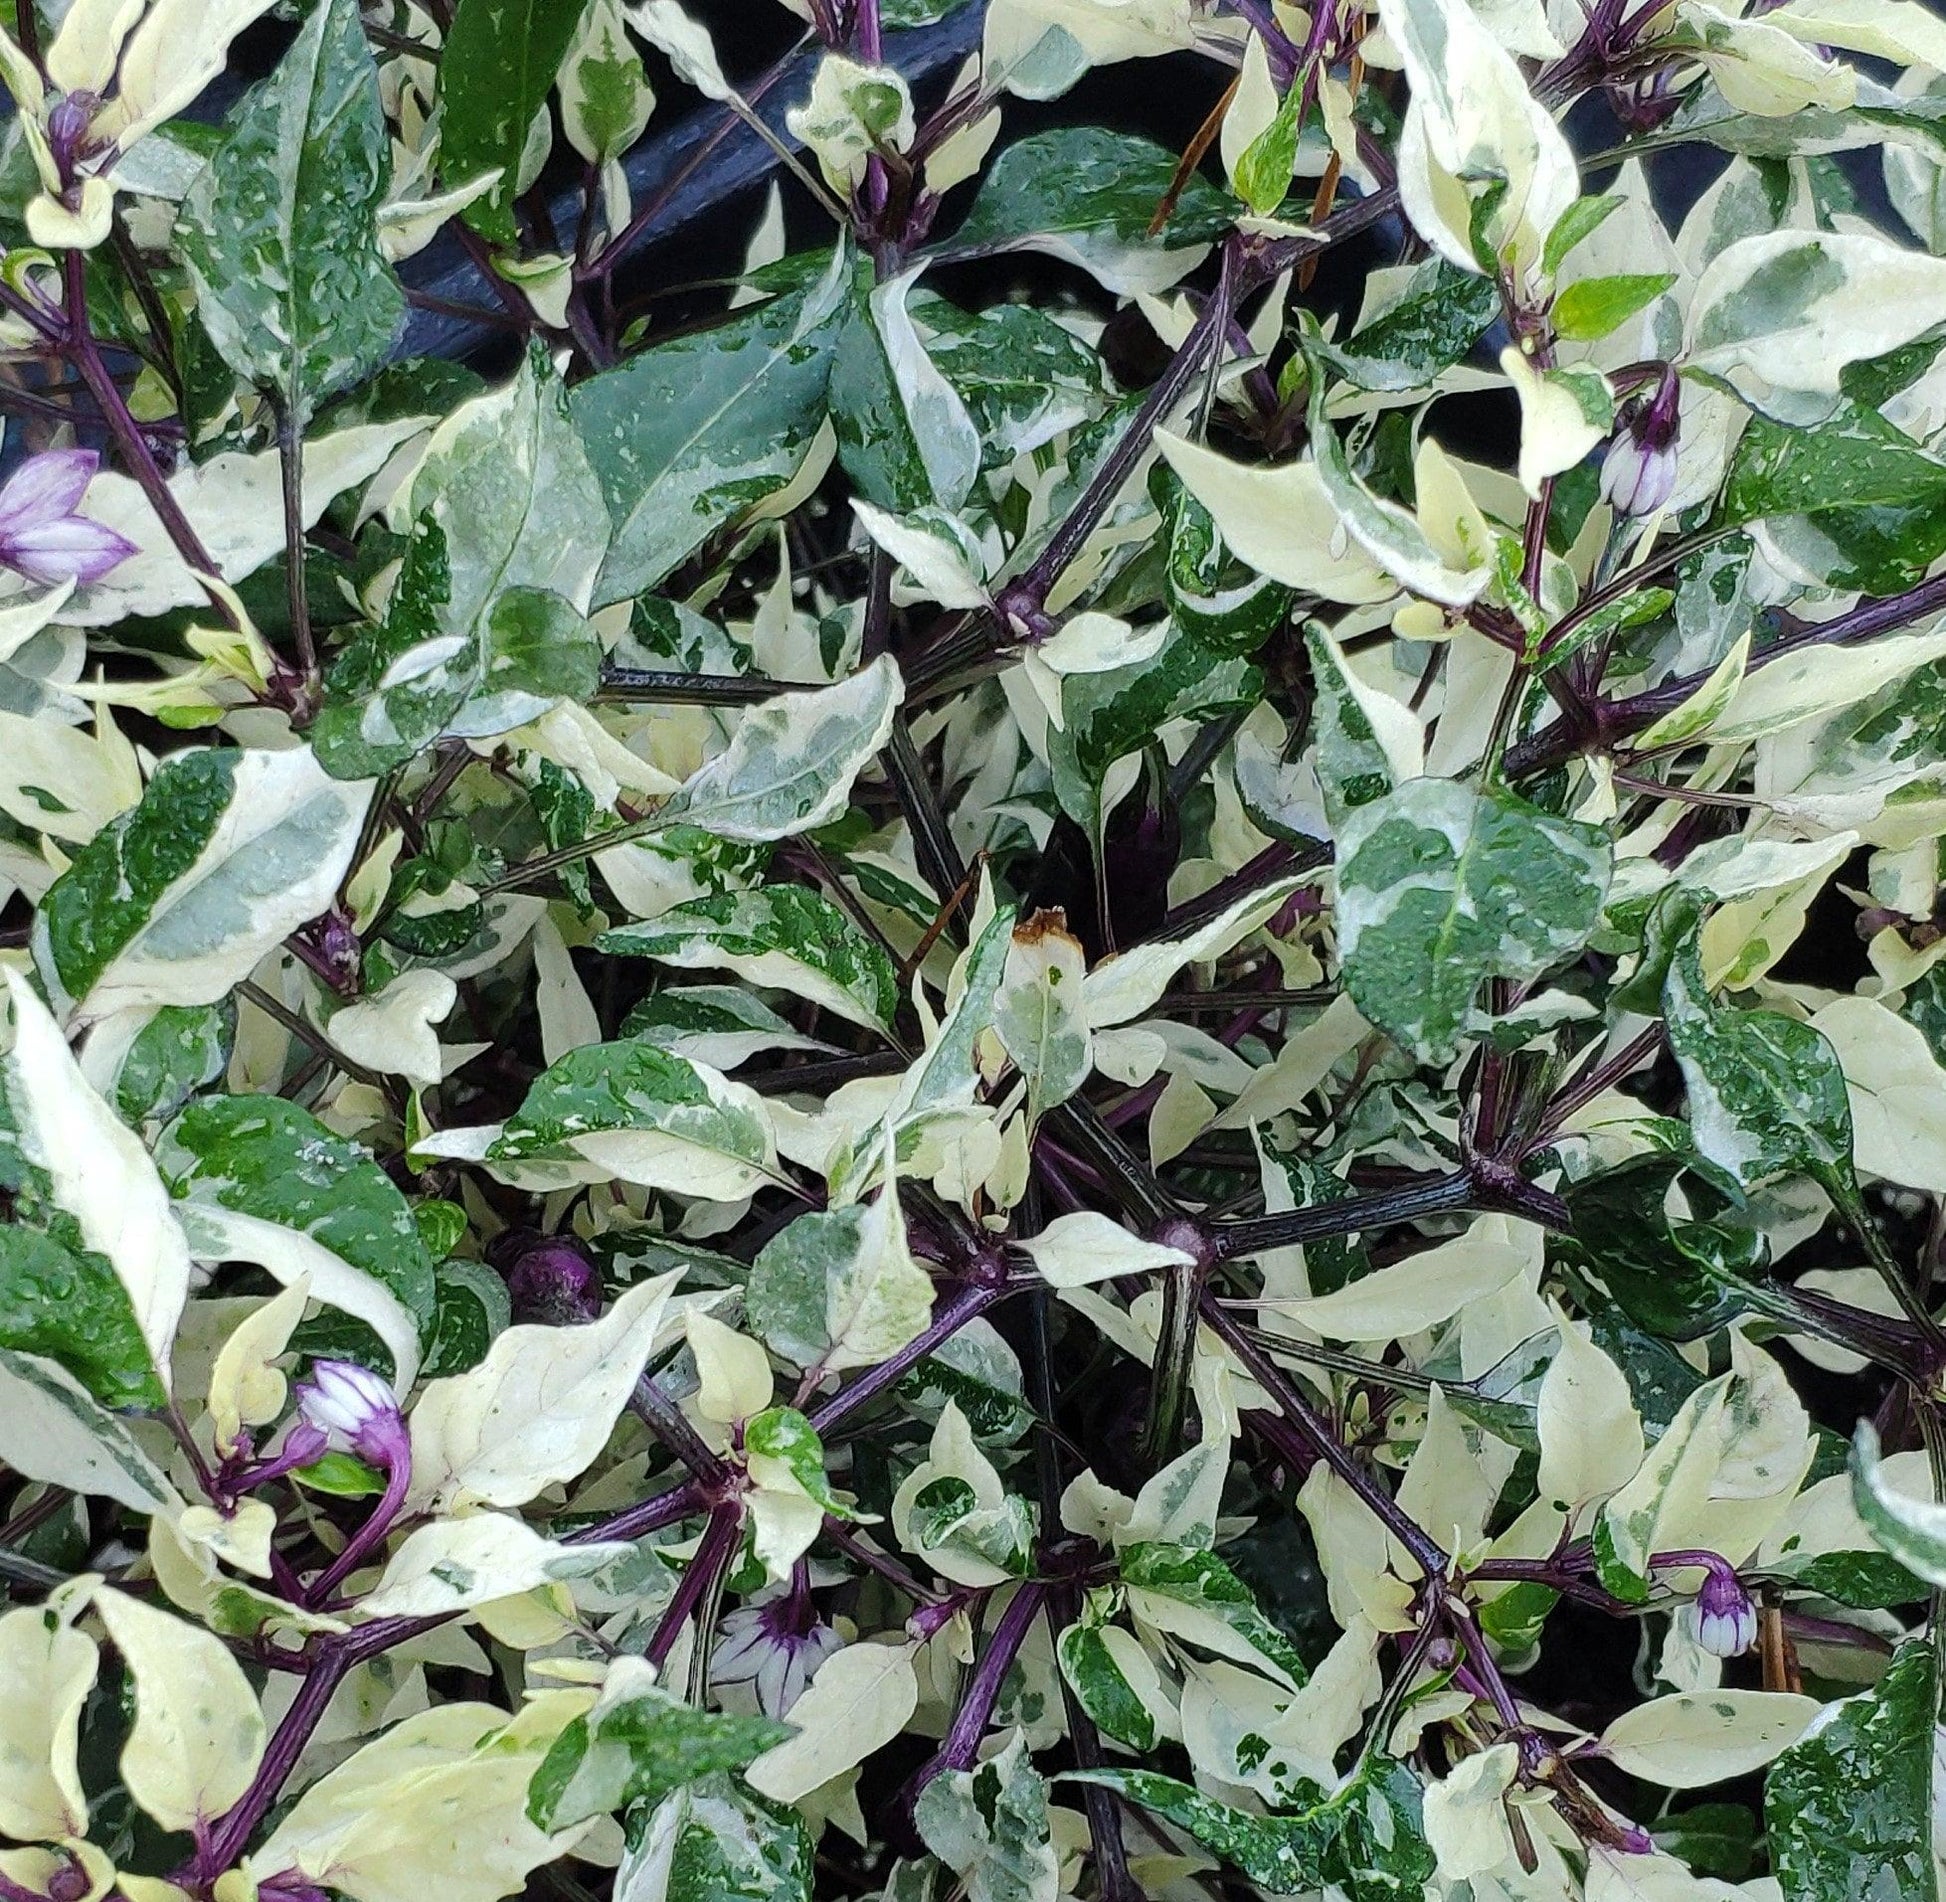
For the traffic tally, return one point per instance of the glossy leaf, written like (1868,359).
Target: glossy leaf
(280,229)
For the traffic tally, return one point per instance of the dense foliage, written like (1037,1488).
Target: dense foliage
(1088,1046)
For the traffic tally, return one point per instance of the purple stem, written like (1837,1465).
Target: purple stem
(378,1522)
(663,1509)
(975,1710)
(1426,1552)
(972,1300)
(1443,1195)
(718,1547)
(1619,719)
(79,345)
(280,1757)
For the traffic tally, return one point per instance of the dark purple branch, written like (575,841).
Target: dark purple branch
(975,1712)
(717,1548)
(1442,1195)
(1619,720)
(1426,1552)
(971,1300)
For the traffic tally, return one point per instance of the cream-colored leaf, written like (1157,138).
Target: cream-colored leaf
(453,1565)
(1279,521)
(1591,1433)
(1705,1737)
(879,1299)
(98,1172)
(1465,1820)
(395,1032)
(198,1733)
(48,1669)
(859,1701)
(1424,1289)
(1074,1250)
(537,1409)
(1127,985)
(54,1430)
(1812,682)
(734,1370)
(1897,1091)
(246,1389)
(436,1806)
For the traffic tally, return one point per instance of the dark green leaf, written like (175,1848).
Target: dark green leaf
(1853,459)
(262,1156)
(1022,376)
(1087,194)
(1110,715)
(1441,887)
(280,230)
(1438,318)
(181,1049)
(495,72)
(68,1305)
(1672,1279)
(733,1846)
(637,1751)
(1766,1095)
(1104,1693)
(783,935)
(1366,1838)
(692,432)
(1848,1809)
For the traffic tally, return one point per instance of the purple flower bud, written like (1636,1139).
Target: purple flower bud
(67,129)
(929,1620)
(70,1882)
(1724,1615)
(304,1445)
(288,1885)
(41,536)
(1638,474)
(355,1409)
(776,1648)
(552,1281)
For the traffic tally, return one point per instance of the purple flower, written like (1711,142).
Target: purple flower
(41,536)
(355,1409)
(1724,1615)
(1638,474)
(775,1647)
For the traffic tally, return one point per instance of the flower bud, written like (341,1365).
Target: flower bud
(354,1409)
(1638,474)
(552,1281)
(1725,1616)
(289,1885)
(67,128)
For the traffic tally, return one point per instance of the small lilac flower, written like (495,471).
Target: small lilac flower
(41,536)
(775,1647)
(355,1410)
(1725,1617)
(1638,474)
